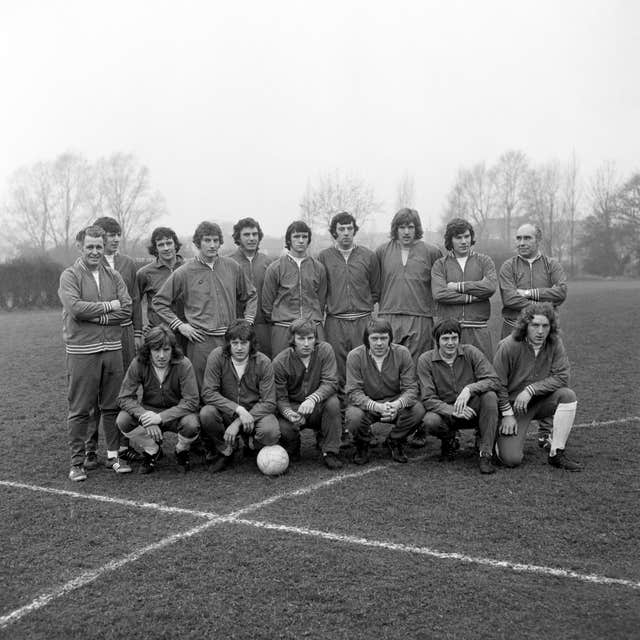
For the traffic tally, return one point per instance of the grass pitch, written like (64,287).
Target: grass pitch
(423,550)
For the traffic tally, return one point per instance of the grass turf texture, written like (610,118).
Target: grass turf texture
(247,582)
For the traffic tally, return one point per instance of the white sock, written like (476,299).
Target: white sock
(562,423)
(112,454)
(184,444)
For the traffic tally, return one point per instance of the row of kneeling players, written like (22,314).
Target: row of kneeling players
(247,402)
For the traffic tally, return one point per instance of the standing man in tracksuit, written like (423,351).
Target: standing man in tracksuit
(95,303)
(528,277)
(212,289)
(462,283)
(353,284)
(247,234)
(295,286)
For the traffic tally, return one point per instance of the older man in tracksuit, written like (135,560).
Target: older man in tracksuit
(95,303)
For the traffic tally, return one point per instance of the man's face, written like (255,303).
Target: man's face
(166,249)
(379,344)
(299,243)
(209,246)
(538,330)
(344,236)
(239,349)
(249,239)
(526,241)
(448,344)
(161,357)
(461,244)
(304,343)
(92,251)
(407,234)
(112,242)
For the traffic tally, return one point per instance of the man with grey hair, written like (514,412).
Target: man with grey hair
(528,277)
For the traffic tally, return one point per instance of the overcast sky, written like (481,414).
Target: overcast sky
(235,106)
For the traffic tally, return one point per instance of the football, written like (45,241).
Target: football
(272,460)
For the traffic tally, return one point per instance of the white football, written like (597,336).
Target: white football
(272,460)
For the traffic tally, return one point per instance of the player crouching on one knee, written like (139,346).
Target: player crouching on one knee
(533,369)
(381,387)
(240,399)
(306,377)
(169,402)
(459,386)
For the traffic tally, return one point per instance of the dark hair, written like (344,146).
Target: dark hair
(378,325)
(406,216)
(207,228)
(297,226)
(110,225)
(302,327)
(93,230)
(457,227)
(162,232)
(157,337)
(526,316)
(342,218)
(451,325)
(240,330)
(246,223)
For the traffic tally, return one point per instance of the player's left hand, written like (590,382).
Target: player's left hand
(150,418)
(521,402)
(452,286)
(461,402)
(306,407)
(155,432)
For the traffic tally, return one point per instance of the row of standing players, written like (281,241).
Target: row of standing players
(409,280)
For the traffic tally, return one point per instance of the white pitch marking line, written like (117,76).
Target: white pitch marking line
(110,500)
(89,576)
(607,423)
(212,519)
(442,555)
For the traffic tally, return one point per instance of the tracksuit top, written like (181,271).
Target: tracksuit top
(89,324)
(290,292)
(149,280)
(353,286)
(255,391)
(545,277)
(441,384)
(518,368)
(295,382)
(211,296)
(173,398)
(254,270)
(469,304)
(366,385)
(406,289)
(126,267)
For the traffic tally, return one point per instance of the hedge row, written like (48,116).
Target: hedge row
(26,283)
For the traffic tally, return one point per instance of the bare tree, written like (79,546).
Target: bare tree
(405,192)
(31,202)
(473,196)
(334,193)
(510,175)
(125,193)
(571,197)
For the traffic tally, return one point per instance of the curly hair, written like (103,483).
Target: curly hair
(246,223)
(457,227)
(93,231)
(240,330)
(403,217)
(378,325)
(159,233)
(297,226)
(342,218)
(207,228)
(156,338)
(546,309)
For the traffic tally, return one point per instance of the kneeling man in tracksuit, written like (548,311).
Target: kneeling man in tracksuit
(169,399)
(533,369)
(458,386)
